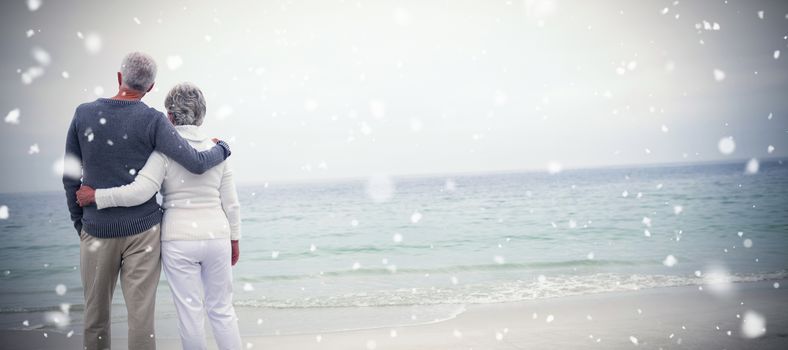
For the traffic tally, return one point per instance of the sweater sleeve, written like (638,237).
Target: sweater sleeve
(167,141)
(71,181)
(230,203)
(144,186)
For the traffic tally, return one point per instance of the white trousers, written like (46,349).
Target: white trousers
(200,277)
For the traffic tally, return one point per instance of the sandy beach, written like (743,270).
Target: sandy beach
(659,318)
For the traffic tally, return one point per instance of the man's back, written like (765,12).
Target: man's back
(115,139)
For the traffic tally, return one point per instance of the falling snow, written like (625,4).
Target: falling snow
(719,75)
(174,62)
(753,325)
(752,166)
(93,43)
(13,116)
(726,145)
(33,5)
(670,261)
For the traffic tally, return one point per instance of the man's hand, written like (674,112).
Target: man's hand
(86,195)
(236,252)
(215,140)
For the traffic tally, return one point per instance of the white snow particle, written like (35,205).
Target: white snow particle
(92,42)
(499,260)
(646,221)
(550,318)
(747,243)
(356,266)
(397,238)
(776,54)
(677,209)
(32,73)
(310,105)
(719,75)
(224,112)
(70,166)
(770,149)
(761,14)
(669,261)
(664,128)
(41,56)
(726,145)
(3,213)
(633,339)
(590,256)
(274,255)
(554,167)
(136,20)
(365,128)
(133,172)
(65,75)
(248,287)
(30,33)
(776,285)
(753,325)
(625,194)
(457,333)
(98,90)
(752,166)
(13,116)
(174,62)
(60,289)
(415,217)
(33,5)
(380,188)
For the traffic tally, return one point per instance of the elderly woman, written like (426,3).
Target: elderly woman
(200,228)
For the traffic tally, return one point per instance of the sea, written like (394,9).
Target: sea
(391,251)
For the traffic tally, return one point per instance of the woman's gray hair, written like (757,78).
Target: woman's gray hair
(185,103)
(138,71)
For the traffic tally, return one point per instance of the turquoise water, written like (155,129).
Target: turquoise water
(447,241)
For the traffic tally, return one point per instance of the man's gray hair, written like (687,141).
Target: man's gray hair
(138,71)
(186,104)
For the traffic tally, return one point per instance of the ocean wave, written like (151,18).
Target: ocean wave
(455,269)
(510,291)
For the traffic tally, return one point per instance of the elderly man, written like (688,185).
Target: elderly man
(113,138)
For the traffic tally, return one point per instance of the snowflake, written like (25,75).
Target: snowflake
(13,116)
(726,145)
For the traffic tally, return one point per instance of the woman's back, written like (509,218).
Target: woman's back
(193,203)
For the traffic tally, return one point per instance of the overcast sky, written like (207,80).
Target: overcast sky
(312,90)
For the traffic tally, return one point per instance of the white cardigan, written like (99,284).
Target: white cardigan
(195,206)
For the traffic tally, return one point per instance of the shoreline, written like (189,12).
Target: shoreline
(656,317)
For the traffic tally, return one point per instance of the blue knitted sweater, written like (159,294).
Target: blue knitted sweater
(112,139)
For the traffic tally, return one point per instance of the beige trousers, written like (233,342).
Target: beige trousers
(137,259)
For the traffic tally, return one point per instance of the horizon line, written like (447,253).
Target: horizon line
(476,173)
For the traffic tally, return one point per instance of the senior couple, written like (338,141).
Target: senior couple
(129,152)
